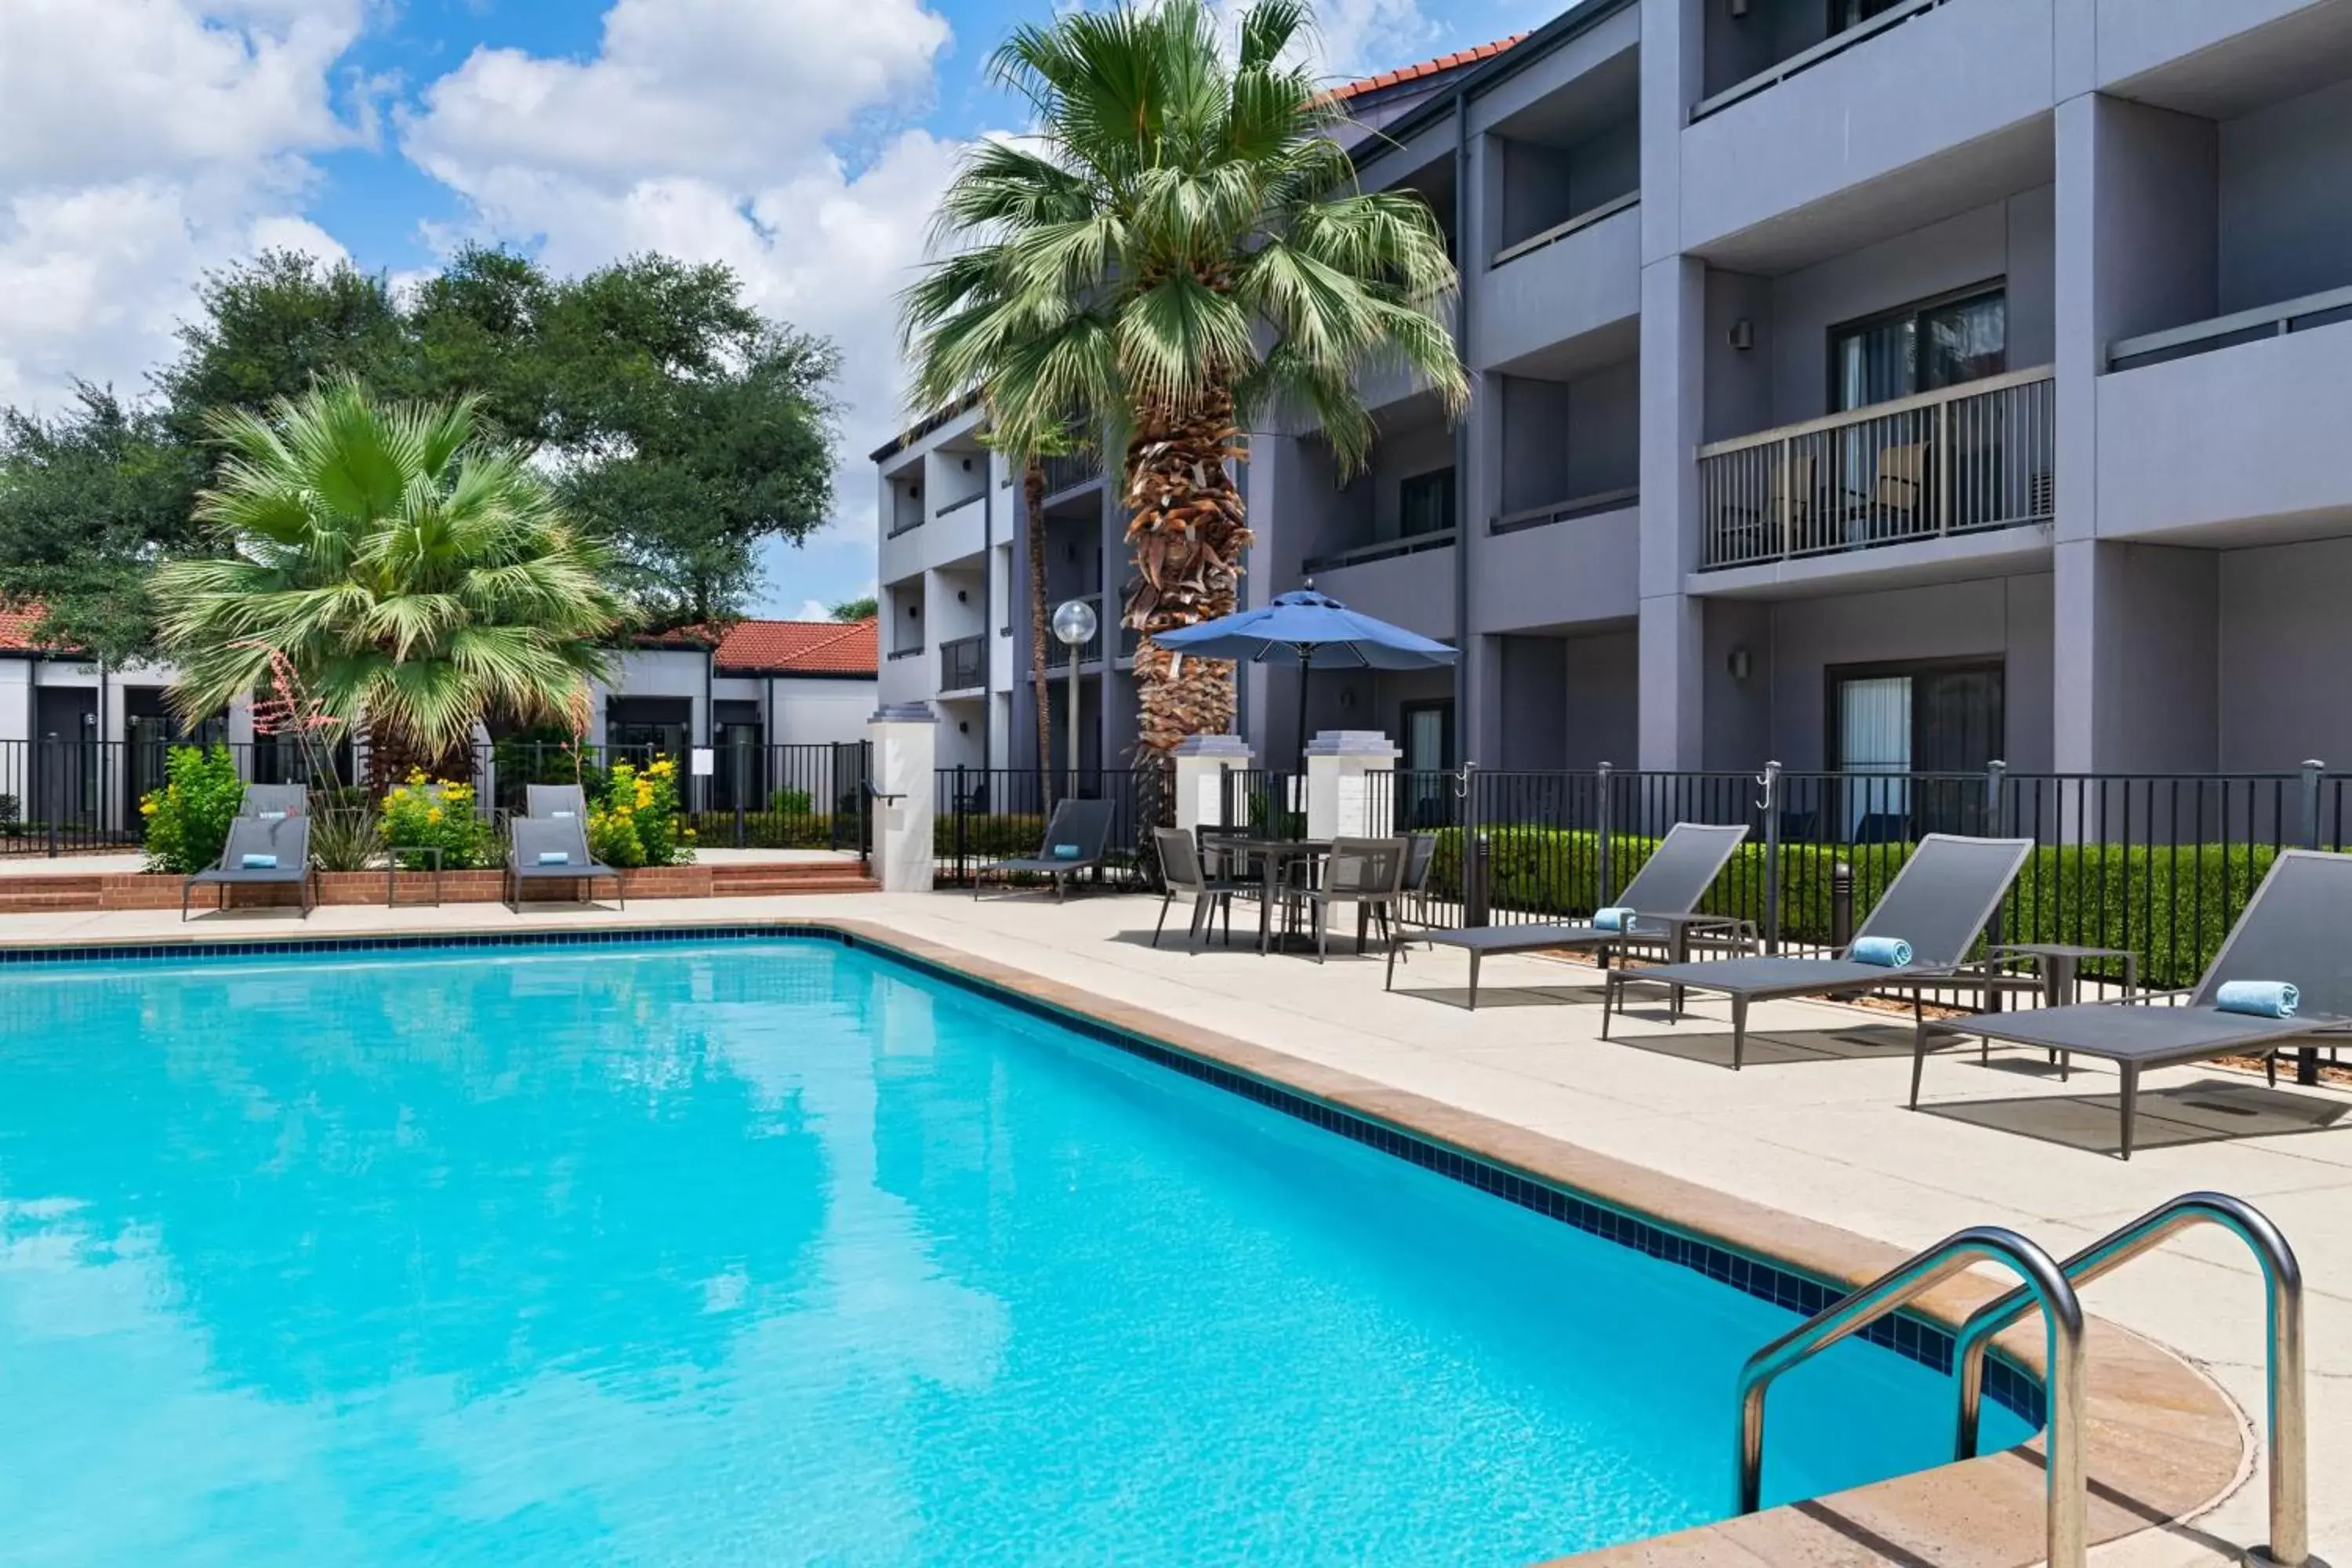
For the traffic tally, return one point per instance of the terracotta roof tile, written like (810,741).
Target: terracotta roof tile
(802,647)
(20,631)
(1437,67)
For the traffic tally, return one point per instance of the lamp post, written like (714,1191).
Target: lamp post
(1074,625)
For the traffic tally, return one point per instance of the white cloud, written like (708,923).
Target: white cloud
(706,129)
(143,142)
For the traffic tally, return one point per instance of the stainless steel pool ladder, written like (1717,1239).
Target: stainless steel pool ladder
(2052,1287)
(2289,1541)
(2044,1283)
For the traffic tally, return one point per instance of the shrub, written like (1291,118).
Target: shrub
(345,838)
(633,821)
(792,802)
(434,814)
(187,820)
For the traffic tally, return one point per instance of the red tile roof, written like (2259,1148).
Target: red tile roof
(802,647)
(1437,67)
(19,629)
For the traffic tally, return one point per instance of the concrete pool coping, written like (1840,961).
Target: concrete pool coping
(2166,1442)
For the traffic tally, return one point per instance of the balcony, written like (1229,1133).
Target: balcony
(1072,469)
(1805,59)
(1571,280)
(963,664)
(1964,459)
(2206,427)
(1388,548)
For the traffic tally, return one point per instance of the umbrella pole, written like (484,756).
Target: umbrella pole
(1304,667)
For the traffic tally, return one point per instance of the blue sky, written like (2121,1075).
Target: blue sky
(144,142)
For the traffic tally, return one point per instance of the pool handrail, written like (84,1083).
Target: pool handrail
(2066,1546)
(2289,1541)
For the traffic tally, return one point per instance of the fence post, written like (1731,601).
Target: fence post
(741,778)
(1769,805)
(1474,848)
(1841,905)
(1608,885)
(962,796)
(52,789)
(2311,771)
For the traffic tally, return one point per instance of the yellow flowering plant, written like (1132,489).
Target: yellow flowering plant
(634,820)
(186,822)
(425,813)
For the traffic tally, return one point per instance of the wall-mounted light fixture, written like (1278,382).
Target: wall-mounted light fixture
(1739,8)
(961,595)
(913,610)
(1742,662)
(967,465)
(964,726)
(1742,335)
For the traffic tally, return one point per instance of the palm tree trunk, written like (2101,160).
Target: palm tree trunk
(1033,495)
(393,756)
(1188,533)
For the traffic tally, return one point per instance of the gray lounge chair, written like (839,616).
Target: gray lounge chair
(1181,872)
(1085,823)
(533,838)
(275,802)
(1663,893)
(1939,902)
(555,800)
(2293,928)
(285,839)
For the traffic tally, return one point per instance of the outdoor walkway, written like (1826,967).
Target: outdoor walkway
(1815,1125)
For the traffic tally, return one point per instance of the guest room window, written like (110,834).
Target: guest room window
(1425,503)
(1925,345)
(1895,720)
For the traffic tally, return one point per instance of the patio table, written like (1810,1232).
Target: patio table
(1275,857)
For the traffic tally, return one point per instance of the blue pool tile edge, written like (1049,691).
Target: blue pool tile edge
(1916,1338)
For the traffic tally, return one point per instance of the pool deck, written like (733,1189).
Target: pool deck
(1814,1128)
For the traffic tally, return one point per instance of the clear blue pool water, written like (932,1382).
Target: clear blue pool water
(776,1252)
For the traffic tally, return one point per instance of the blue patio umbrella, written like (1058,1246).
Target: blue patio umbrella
(1312,631)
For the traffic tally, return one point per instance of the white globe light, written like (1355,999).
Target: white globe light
(1073,622)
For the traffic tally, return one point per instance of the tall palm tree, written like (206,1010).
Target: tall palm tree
(1179,247)
(417,579)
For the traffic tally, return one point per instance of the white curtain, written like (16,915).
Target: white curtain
(1873,724)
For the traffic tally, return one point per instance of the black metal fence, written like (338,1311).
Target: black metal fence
(981,815)
(2155,865)
(60,796)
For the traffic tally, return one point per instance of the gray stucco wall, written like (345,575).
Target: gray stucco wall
(1603,699)
(2286,649)
(2285,226)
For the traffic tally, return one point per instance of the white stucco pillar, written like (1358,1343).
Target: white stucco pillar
(905,739)
(1339,800)
(1202,761)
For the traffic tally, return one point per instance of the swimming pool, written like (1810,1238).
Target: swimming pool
(779,1251)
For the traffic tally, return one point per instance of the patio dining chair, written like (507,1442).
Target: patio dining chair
(1367,873)
(1182,871)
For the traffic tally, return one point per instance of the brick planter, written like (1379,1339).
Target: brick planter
(146,890)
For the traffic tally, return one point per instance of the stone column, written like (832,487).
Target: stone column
(1201,764)
(905,739)
(1340,802)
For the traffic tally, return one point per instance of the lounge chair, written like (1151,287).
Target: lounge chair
(275,803)
(284,842)
(2293,929)
(1662,895)
(1181,870)
(1939,903)
(544,849)
(1081,825)
(1368,873)
(555,802)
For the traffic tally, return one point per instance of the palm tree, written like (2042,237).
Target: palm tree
(415,579)
(1178,248)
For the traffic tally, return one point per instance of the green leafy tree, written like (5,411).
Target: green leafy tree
(419,579)
(88,500)
(1178,246)
(864,609)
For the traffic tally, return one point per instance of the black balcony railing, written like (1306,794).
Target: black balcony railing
(963,663)
(1072,469)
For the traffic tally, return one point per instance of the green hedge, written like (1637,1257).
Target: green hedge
(2172,906)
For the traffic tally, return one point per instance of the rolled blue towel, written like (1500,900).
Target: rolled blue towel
(2258,998)
(560,816)
(269,816)
(258,862)
(1888,952)
(1068,851)
(555,857)
(1614,917)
